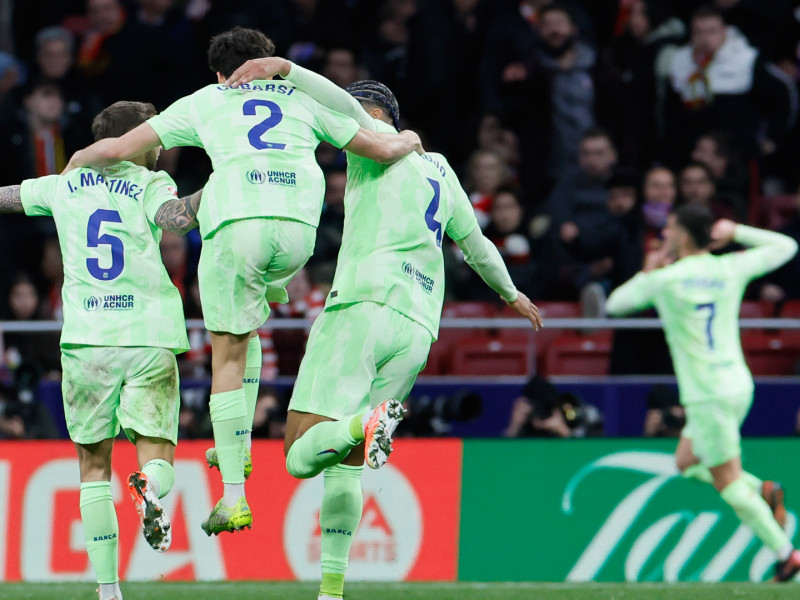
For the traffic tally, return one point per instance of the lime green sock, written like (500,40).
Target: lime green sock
(754,512)
(229,420)
(101,529)
(356,430)
(322,446)
(251,381)
(339,517)
(703,474)
(161,475)
(698,472)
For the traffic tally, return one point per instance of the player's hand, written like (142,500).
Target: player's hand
(657,259)
(259,68)
(413,138)
(71,166)
(523,306)
(722,233)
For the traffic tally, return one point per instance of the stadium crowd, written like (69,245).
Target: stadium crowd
(576,126)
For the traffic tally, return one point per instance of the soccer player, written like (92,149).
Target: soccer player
(258,220)
(698,299)
(382,314)
(123,324)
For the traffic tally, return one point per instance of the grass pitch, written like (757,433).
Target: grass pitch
(411,591)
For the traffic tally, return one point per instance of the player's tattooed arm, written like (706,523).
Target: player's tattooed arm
(179,215)
(10,199)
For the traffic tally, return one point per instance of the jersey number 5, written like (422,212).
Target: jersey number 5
(430,212)
(93,240)
(712,309)
(257,132)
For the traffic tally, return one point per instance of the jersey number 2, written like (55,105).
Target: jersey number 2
(711,308)
(257,132)
(430,212)
(93,240)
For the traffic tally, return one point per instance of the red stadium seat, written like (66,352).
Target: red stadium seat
(775,211)
(488,355)
(572,354)
(469,310)
(440,357)
(791,309)
(757,309)
(771,353)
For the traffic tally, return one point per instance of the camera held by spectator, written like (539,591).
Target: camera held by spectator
(665,416)
(542,411)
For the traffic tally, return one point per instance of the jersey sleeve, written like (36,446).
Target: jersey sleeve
(329,94)
(634,295)
(161,189)
(461,220)
(334,127)
(769,251)
(37,195)
(174,125)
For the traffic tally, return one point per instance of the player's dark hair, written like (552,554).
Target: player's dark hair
(703,167)
(555,7)
(597,132)
(231,49)
(119,118)
(697,220)
(374,93)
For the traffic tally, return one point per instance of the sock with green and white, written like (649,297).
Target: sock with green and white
(323,445)
(754,512)
(251,381)
(161,476)
(229,420)
(339,516)
(101,530)
(703,474)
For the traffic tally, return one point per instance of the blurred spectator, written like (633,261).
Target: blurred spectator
(719,81)
(541,411)
(10,74)
(270,416)
(784,283)
(52,269)
(329,232)
(716,151)
(665,415)
(41,351)
(659,193)
(486,173)
(769,26)
(492,136)
(341,67)
(174,255)
(194,421)
(642,55)
(550,91)
(40,137)
(22,416)
(697,186)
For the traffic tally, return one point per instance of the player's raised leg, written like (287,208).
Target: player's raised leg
(149,484)
(99,518)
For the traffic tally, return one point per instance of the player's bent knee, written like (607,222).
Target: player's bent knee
(297,469)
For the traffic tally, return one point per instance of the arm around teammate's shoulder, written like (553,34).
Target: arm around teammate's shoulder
(109,151)
(10,199)
(179,215)
(382,147)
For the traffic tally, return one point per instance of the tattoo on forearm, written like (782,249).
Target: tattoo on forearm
(10,199)
(179,215)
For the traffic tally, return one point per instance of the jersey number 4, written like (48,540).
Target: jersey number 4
(94,239)
(430,212)
(257,132)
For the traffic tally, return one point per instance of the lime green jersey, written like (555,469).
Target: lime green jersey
(698,299)
(395,217)
(116,290)
(261,139)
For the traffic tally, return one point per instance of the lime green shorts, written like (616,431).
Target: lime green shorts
(357,356)
(105,388)
(247,264)
(713,428)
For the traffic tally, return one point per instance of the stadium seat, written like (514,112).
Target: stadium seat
(491,355)
(573,354)
(757,309)
(440,357)
(771,353)
(791,309)
(469,310)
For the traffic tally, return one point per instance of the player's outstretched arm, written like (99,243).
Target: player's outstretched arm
(110,151)
(10,199)
(482,256)
(179,215)
(384,147)
(315,85)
